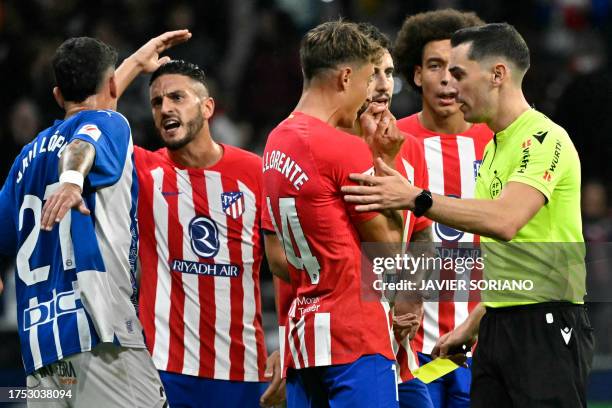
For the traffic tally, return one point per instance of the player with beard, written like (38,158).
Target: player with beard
(411,164)
(200,221)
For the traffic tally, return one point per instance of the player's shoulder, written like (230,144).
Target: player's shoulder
(94,123)
(244,157)
(480,131)
(101,117)
(409,124)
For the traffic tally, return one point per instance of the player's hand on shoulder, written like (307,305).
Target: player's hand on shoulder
(147,56)
(67,196)
(275,393)
(388,190)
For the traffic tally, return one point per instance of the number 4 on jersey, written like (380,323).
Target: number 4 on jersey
(290,224)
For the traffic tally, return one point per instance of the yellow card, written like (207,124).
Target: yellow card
(435,369)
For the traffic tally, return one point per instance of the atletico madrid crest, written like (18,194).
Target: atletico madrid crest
(233,203)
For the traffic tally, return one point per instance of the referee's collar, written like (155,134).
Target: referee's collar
(509,131)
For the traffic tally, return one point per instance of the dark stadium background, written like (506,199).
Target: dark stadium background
(249,50)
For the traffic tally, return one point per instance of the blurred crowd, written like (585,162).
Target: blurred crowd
(249,49)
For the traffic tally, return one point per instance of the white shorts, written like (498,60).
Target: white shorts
(107,376)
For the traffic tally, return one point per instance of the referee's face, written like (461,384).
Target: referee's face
(470,83)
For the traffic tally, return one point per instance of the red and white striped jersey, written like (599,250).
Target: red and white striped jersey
(411,164)
(329,321)
(200,254)
(452,162)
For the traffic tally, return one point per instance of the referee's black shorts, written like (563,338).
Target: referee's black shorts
(533,356)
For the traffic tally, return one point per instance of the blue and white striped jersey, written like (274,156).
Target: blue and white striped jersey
(75,284)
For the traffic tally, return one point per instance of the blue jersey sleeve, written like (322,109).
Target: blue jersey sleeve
(109,133)
(8,237)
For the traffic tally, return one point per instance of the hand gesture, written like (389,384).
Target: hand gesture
(147,56)
(275,393)
(66,196)
(390,190)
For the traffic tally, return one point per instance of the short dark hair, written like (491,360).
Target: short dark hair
(420,29)
(374,34)
(333,43)
(494,40)
(180,67)
(79,65)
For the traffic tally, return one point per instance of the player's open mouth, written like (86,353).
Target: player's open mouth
(382,100)
(170,126)
(447,98)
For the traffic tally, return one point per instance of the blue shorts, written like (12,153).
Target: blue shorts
(187,391)
(414,394)
(368,382)
(452,390)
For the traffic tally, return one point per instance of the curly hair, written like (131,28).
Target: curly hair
(422,28)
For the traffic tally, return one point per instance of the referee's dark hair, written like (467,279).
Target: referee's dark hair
(80,64)
(181,67)
(494,40)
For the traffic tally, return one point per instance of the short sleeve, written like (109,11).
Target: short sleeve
(542,163)
(353,156)
(266,218)
(109,133)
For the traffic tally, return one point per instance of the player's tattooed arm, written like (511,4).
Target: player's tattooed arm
(74,165)
(146,59)
(78,156)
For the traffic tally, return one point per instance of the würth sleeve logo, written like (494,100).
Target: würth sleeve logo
(233,203)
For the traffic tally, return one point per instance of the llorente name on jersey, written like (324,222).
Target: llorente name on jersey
(55,142)
(199,268)
(284,164)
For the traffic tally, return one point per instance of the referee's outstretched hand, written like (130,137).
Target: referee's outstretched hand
(449,344)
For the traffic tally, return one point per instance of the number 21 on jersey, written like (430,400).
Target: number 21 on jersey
(290,226)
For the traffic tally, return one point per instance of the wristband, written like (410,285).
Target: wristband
(73,177)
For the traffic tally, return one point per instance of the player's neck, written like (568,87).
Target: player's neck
(91,103)
(321,104)
(202,152)
(511,105)
(450,125)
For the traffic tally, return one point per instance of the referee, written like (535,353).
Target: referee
(535,348)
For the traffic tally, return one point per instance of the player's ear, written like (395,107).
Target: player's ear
(418,70)
(59,98)
(112,85)
(344,78)
(208,107)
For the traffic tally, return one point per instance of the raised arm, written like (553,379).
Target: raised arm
(146,59)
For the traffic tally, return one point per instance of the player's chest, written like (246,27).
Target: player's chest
(221,202)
